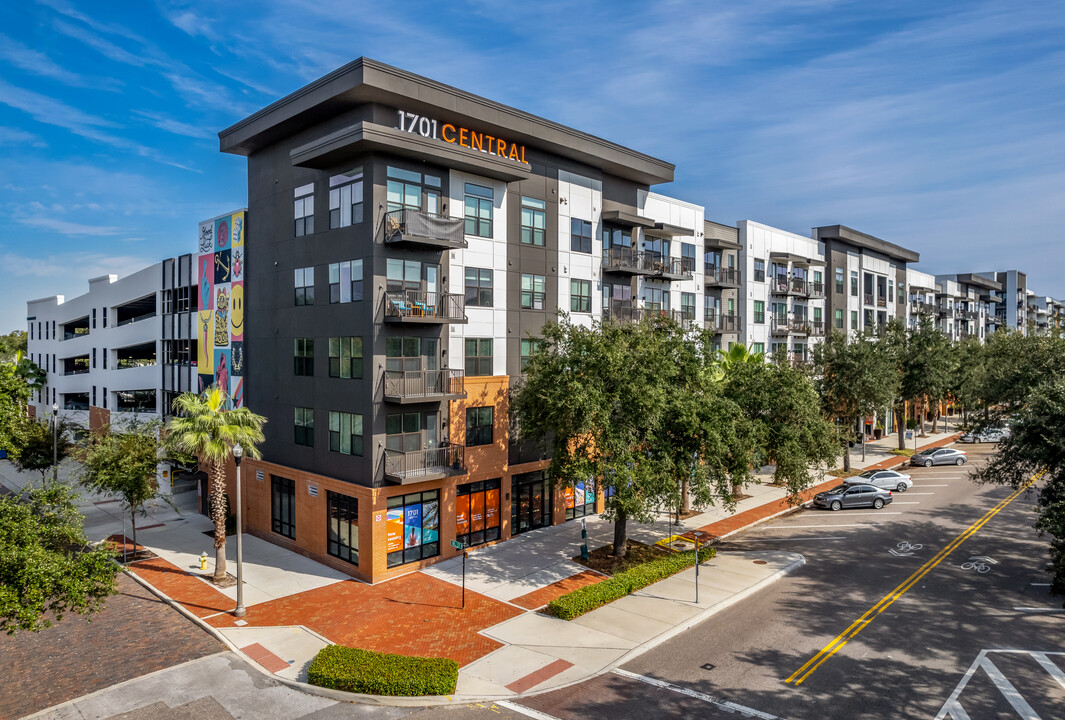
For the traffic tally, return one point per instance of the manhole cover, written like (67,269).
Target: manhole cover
(760,562)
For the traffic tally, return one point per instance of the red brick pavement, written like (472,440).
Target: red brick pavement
(539,598)
(197,596)
(741,520)
(414,614)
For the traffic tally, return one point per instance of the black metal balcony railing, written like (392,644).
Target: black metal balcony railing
(424,384)
(629,260)
(780,326)
(722,323)
(797,286)
(447,459)
(421,306)
(685,318)
(815,288)
(722,276)
(622,313)
(816,328)
(867,298)
(670,268)
(779,285)
(414,226)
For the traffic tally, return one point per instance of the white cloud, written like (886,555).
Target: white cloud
(64,227)
(15,136)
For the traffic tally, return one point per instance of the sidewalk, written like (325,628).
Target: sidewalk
(504,647)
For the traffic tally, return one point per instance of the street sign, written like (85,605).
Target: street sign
(457,545)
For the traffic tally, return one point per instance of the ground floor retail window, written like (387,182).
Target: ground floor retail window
(412,527)
(530,505)
(580,500)
(283,507)
(343,530)
(477,512)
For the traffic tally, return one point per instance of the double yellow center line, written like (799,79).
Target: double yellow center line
(797,677)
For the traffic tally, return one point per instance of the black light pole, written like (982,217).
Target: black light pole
(238,453)
(55,442)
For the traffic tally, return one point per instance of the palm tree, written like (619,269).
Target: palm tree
(202,426)
(736,355)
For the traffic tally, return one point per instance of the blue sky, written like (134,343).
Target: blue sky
(938,126)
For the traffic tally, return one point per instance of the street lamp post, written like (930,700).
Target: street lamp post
(55,442)
(238,453)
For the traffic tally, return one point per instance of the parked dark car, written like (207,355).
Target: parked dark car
(851,496)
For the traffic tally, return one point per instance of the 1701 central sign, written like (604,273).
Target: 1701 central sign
(430,128)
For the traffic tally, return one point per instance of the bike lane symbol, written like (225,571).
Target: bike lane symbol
(905,549)
(979,563)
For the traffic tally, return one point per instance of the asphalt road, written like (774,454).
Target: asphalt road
(906,661)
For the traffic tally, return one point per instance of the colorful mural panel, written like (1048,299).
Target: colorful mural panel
(220,330)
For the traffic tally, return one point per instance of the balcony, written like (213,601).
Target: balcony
(418,228)
(797,286)
(622,313)
(667,268)
(868,299)
(415,386)
(815,289)
(421,465)
(686,319)
(722,277)
(629,261)
(722,323)
(779,326)
(815,328)
(418,306)
(779,285)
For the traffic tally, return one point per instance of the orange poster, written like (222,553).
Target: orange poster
(462,515)
(477,512)
(394,530)
(569,498)
(491,508)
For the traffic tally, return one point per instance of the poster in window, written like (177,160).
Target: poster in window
(412,525)
(477,512)
(394,530)
(462,515)
(430,522)
(578,494)
(569,498)
(491,508)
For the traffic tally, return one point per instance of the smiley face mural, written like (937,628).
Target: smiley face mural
(221,243)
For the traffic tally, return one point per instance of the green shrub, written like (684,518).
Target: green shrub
(374,673)
(588,598)
(906,452)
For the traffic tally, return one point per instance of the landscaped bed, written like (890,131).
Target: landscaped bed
(373,673)
(627,578)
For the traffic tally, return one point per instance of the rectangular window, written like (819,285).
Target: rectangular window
(412,527)
(854,320)
(687,305)
(532,291)
(580,235)
(854,283)
(304,210)
(839,281)
(345,433)
(687,257)
(478,426)
(579,500)
(345,199)
(104,323)
(303,356)
(528,347)
(283,507)
(345,281)
(656,300)
(478,210)
(345,358)
(839,319)
(478,357)
(343,531)
(759,270)
(304,422)
(304,286)
(478,287)
(758,348)
(533,221)
(477,512)
(403,190)
(580,296)
(94,359)
(902,292)
(759,311)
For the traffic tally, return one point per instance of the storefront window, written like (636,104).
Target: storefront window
(580,500)
(343,528)
(477,512)
(412,527)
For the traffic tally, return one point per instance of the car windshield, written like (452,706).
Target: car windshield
(838,489)
(868,473)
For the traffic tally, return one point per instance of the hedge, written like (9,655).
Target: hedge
(373,673)
(588,598)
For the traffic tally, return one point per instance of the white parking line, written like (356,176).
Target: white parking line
(1053,670)
(1008,690)
(952,707)
(527,712)
(727,705)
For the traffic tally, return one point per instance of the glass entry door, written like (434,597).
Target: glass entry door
(530,507)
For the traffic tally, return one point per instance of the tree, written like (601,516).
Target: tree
(34,448)
(967,384)
(45,567)
(12,344)
(14,394)
(202,426)
(854,379)
(124,464)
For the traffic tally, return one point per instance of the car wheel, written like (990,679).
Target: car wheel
(878,503)
(928,463)
(959,461)
(901,487)
(836,505)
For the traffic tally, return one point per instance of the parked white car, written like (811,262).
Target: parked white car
(886,479)
(987,435)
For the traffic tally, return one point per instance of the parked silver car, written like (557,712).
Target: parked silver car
(886,479)
(940,456)
(850,495)
(986,435)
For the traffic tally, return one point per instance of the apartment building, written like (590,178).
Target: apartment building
(1009,307)
(1045,314)
(866,278)
(722,281)
(921,290)
(411,241)
(963,305)
(782,290)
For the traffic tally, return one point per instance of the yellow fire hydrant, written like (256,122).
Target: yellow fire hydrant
(203,561)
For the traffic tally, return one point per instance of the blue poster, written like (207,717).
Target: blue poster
(430,522)
(412,526)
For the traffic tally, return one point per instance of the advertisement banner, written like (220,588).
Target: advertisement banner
(412,525)
(394,530)
(477,512)
(430,521)
(462,515)
(491,508)
(578,494)
(569,498)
